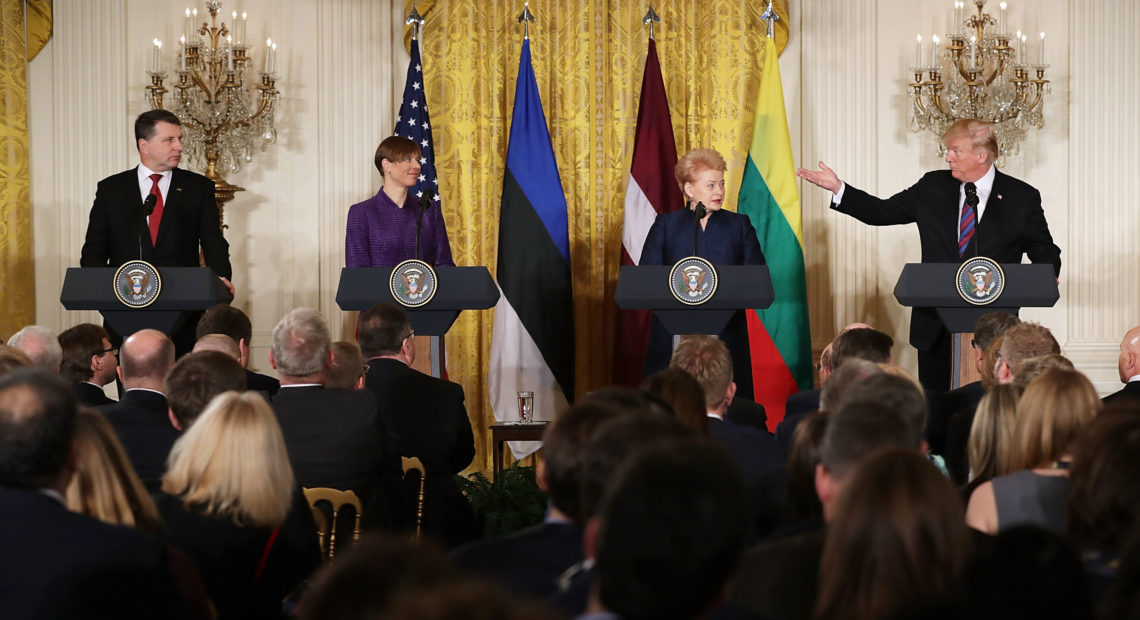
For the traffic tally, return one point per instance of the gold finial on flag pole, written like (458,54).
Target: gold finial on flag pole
(770,16)
(525,18)
(651,18)
(416,21)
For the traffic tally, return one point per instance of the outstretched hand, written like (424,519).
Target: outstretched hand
(824,177)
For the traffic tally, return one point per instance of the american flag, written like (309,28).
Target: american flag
(413,123)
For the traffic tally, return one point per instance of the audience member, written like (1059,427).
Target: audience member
(220,343)
(685,396)
(336,438)
(89,363)
(897,537)
(11,359)
(529,561)
(141,419)
(991,437)
(196,379)
(57,563)
(427,416)
(806,401)
(987,328)
(1019,343)
(1128,365)
(1104,499)
(1032,368)
(784,500)
(348,368)
(228,320)
(1051,414)
(41,345)
(779,578)
(668,534)
(230,503)
(708,361)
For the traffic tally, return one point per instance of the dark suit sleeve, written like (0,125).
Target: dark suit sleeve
(96,250)
(1035,237)
(463,452)
(215,248)
(653,251)
(898,209)
(751,253)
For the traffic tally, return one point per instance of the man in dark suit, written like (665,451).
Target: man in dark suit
(230,321)
(1129,367)
(949,207)
(530,561)
(58,563)
(335,437)
(707,359)
(425,414)
(721,237)
(195,380)
(141,419)
(184,218)
(89,363)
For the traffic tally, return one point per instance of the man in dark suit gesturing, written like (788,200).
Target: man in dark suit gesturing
(426,415)
(949,207)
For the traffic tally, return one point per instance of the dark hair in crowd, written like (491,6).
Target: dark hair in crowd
(684,394)
(564,453)
(990,326)
(225,319)
(196,379)
(862,343)
(79,344)
(37,424)
(382,329)
(1104,499)
(859,429)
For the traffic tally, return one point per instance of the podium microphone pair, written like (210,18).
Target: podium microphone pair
(425,204)
(148,208)
(699,213)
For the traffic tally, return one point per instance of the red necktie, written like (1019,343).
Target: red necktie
(156,216)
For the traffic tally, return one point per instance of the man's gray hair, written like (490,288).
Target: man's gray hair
(301,343)
(40,344)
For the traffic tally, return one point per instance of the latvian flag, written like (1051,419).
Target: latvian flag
(532,346)
(651,190)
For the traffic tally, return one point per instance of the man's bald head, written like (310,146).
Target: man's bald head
(1129,362)
(145,358)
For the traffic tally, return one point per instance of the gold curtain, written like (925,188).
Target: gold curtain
(25,26)
(588,58)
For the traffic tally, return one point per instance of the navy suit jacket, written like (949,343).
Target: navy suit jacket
(526,562)
(142,422)
(1013,224)
(90,394)
(1130,391)
(190,218)
(754,451)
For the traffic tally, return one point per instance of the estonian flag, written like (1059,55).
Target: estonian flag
(532,347)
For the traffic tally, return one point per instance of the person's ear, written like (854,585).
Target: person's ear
(272,362)
(590,538)
(729,393)
(540,476)
(173,420)
(119,372)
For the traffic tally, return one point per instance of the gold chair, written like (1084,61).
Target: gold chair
(327,528)
(415,464)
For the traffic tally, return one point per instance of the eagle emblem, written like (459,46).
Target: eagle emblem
(137,284)
(692,280)
(412,283)
(980,281)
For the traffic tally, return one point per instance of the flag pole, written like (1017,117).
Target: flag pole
(416,21)
(650,19)
(526,18)
(770,16)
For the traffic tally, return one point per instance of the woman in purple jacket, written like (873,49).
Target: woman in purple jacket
(381,231)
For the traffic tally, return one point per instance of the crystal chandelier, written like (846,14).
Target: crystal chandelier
(220,131)
(980,73)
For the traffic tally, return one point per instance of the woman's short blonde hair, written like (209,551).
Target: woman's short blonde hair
(1051,415)
(232,462)
(992,433)
(105,485)
(694,161)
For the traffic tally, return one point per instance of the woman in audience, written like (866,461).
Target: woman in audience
(684,394)
(106,487)
(991,435)
(803,509)
(1104,499)
(230,503)
(1051,414)
(897,538)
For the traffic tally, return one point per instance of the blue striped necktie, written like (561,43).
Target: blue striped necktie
(968,219)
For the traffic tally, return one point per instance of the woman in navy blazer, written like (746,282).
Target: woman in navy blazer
(723,238)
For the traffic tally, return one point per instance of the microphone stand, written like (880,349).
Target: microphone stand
(425,204)
(699,213)
(148,209)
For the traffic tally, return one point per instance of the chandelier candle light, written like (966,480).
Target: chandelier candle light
(985,78)
(210,99)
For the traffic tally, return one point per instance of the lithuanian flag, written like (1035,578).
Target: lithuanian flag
(779,337)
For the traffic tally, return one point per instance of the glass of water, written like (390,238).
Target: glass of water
(526,407)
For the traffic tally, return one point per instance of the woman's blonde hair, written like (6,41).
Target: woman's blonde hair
(105,485)
(1051,414)
(992,433)
(697,159)
(232,462)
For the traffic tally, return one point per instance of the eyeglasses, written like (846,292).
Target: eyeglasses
(973,343)
(411,333)
(364,371)
(114,350)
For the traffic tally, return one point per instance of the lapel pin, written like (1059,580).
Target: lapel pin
(999,196)
(178,189)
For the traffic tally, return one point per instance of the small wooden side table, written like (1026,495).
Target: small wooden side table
(502,432)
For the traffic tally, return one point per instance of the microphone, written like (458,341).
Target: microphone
(699,213)
(972,200)
(424,204)
(148,208)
